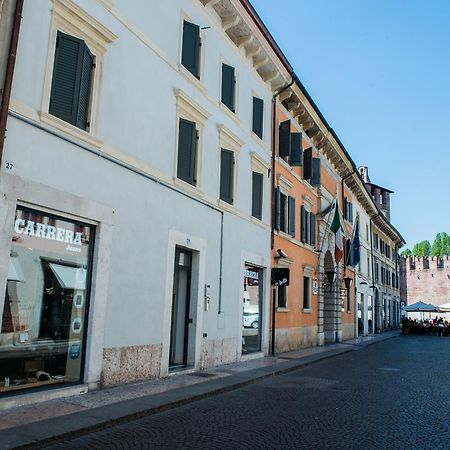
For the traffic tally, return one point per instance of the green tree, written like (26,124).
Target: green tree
(422,248)
(407,252)
(436,249)
(445,244)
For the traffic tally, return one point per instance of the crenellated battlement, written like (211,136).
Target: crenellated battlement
(419,263)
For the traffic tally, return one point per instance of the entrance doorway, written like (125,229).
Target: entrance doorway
(252,310)
(182,330)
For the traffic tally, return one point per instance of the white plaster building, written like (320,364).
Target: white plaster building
(159,159)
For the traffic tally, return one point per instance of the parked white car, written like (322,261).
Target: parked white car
(250,320)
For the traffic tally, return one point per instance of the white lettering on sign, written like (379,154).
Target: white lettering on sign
(30,228)
(251,274)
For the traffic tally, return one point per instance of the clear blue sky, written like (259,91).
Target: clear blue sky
(379,71)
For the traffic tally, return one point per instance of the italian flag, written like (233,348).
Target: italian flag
(337,230)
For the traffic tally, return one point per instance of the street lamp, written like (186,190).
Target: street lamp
(331,276)
(348,282)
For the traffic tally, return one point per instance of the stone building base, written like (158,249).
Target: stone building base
(287,339)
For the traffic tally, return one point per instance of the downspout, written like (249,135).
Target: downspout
(7,86)
(272,202)
(397,287)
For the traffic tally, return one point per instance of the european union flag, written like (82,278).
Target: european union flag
(355,253)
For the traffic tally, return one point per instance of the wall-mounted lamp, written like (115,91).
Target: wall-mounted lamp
(331,276)
(348,282)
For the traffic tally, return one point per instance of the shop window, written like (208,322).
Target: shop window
(71,82)
(257,194)
(226,176)
(190,55)
(228,87)
(258,116)
(46,302)
(187,151)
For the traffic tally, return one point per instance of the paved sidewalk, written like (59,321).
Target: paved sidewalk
(34,426)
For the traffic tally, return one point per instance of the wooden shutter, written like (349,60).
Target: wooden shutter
(228,85)
(257,192)
(258,112)
(291,213)
(350,212)
(65,91)
(190,56)
(315,178)
(307,164)
(303,224)
(312,229)
(284,142)
(277,208)
(87,64)
(296,149)
(226,175)
(187,151)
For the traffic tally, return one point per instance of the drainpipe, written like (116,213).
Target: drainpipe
(272,233)
(7,86)
(397,287)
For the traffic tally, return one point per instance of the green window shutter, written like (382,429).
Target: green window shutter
(187,151)
(312,229)
(315,179)
(277,212)
(258,111)
(350,216)
(304,227)
(296,149)
(284,141)
(226,175)
(228,86)
(64,95)
(85,89)
(283,224)
(307,164)
(257,192)
(291,213)
(190,55)
(345,208)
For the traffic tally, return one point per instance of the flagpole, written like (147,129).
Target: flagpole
(328,222)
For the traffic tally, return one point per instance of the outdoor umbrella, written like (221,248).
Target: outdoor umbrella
(444,308)
(420,306)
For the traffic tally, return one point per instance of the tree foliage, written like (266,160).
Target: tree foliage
(440,247)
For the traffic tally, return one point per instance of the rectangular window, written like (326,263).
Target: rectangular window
(308,227)
(190,55)
(226,175)
(295,157)
(284,139)
(258,116)
(315,174)
(307,164)
(228,86)
(43,327)
(71,82)
(306,293)
(257,194)
(282,296)
(187,151)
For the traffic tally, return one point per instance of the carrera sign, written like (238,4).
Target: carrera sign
(40,230)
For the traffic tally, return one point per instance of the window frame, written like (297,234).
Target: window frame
(71,19)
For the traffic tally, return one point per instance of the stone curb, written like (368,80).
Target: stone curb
(43,433)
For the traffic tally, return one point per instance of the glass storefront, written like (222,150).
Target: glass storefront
(46,302)
(252,310)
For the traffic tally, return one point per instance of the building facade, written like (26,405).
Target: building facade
(151,183)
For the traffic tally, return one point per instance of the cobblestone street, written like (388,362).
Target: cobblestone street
(392,395)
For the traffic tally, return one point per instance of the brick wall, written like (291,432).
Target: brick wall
(426,279)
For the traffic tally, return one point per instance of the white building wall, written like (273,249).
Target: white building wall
(137,126)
